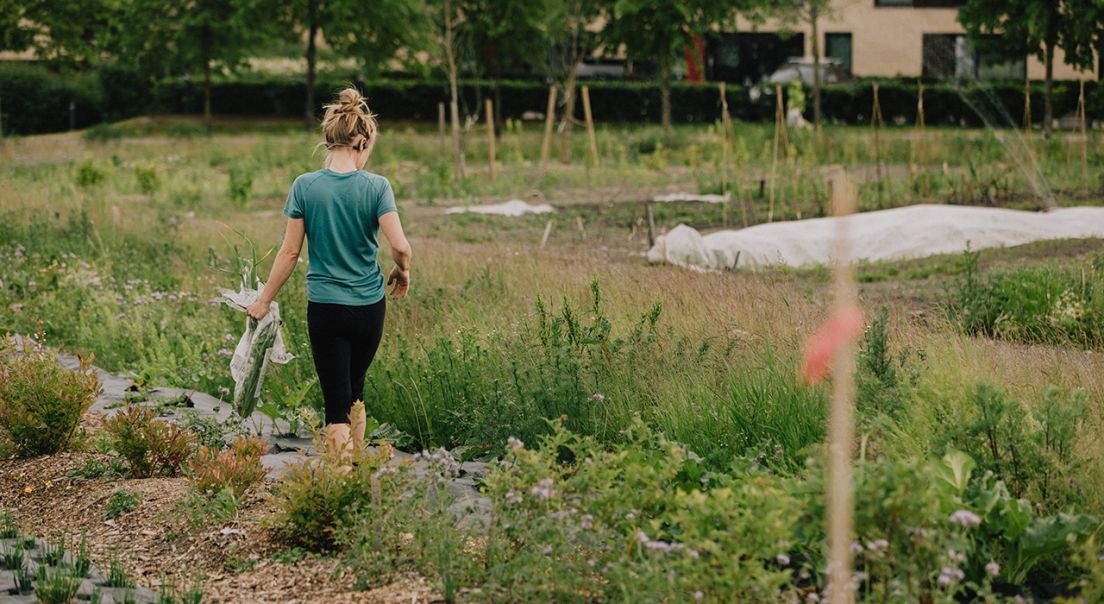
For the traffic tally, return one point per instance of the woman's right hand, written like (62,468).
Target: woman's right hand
(401,280)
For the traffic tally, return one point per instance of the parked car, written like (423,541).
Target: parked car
(831,72)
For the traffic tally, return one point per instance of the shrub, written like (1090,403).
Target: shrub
(42,402)
(241,184)
(318,495)
(199,509)
(58,586)
(236,468)
(89,174)
(150,446)
(1045,304)
(149,178)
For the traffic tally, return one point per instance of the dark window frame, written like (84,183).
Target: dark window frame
(849,68)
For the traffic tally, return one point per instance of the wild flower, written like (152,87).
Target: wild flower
(782,559)
(20,251)
(657,545)
(548,550)
(514,445)
(543,489)
(224,352)
(587,521)
(630,516)
(693,553)
(856,547)
(514,498)
(992,569)
(598,397)
(877,545)
(965,518)
(698,596)
(950,575)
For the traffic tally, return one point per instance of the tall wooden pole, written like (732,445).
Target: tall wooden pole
(549,119)
(779,124)
(877,122)
(1084,138)
(441,129)
(590,127)
(488,109)
(724,151)
(841,427)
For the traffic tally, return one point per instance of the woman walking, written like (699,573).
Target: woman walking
(340,209)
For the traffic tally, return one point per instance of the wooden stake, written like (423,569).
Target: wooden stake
(841,428)
(651,223)
(441,128)
(1084,138)
(547,232)
(579,223)
(876,121)
(590,127)
(457,149)
(724,149)
(488,108)
(779,125)
(549,118)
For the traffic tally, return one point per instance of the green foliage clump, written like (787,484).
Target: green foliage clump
(241,184)
(42,402)
(57,586)
(883,381)
(1039,304)
(151,446)
(198,510)
(148,177)
(89,174)
(237,468)
(1035,457)
(121,503)
(316,497)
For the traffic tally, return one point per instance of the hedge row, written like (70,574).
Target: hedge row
(36,100)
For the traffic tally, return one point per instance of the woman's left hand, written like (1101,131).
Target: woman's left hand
(257,310)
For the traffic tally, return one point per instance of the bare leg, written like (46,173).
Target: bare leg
(357,424)
(337,440)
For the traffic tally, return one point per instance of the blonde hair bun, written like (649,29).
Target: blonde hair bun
(348,118)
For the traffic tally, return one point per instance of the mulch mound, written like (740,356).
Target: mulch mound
(232,560)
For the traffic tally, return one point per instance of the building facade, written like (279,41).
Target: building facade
(872,38)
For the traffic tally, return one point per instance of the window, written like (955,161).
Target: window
(748,57)
(949,56)
(838,46)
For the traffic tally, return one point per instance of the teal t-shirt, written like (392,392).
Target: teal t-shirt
(341,212)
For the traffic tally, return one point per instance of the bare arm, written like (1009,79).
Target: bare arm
(400,252)
(282,267)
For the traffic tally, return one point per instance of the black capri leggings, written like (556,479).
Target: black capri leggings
(344,340)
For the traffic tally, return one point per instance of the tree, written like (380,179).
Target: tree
(445,17)
(65,32)
(659,31)
(372,32)
(505,36)
(174,37)
(1019,28)
(570,40)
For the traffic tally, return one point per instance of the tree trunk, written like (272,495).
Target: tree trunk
(205,54)
(568,116)
(309,113)
(665,92)
(813,18)
(454,92)
(1048,95)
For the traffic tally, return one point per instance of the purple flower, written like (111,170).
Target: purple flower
(856,547)
(514,444)
(782,559)
(224,352)
(587,522)
(877,545)
(547,550)
(965,518)
(698,596)
(992,569)
(543,490)
(592,562)
(598,397)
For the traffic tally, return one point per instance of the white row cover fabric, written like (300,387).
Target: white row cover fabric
(908,232)
(514,207)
